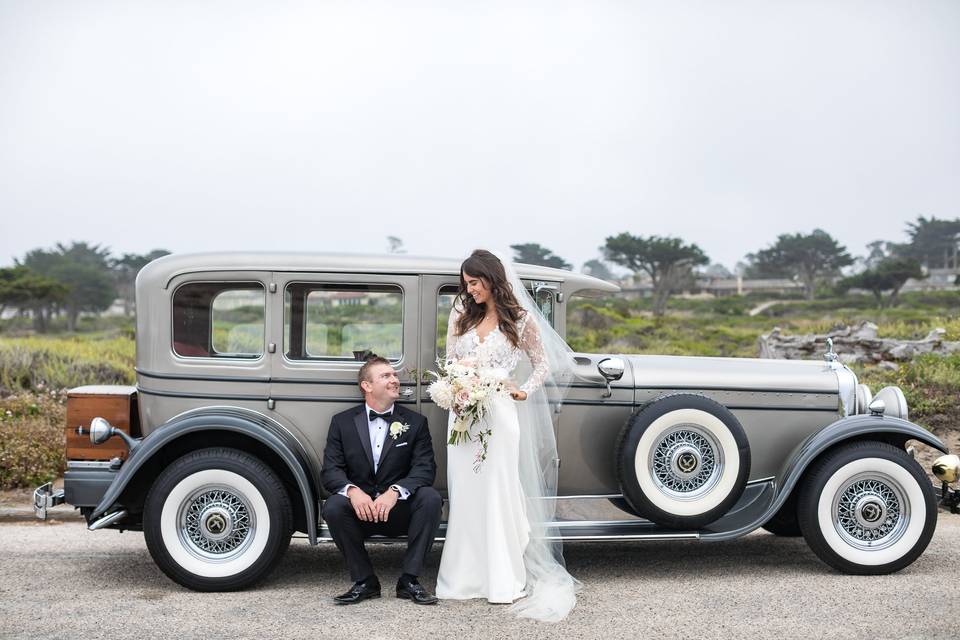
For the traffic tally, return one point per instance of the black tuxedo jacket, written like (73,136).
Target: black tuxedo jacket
(406,461)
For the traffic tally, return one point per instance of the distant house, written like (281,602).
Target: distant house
(936,280)
(642,286)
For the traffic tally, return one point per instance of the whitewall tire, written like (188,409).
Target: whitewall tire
(867,508)
(217,520)
(683,461)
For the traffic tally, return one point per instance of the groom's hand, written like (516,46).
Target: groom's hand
(383,504)
(362,504)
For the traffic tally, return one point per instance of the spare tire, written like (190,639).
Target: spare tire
(683,461)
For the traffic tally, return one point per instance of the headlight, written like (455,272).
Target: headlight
(947,468)
(894,402)
(864,398)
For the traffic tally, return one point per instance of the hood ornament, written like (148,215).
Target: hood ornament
(831,355)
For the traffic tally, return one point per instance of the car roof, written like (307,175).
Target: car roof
(160,272)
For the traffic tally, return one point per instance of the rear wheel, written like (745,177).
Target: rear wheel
(867,508)
(217,520)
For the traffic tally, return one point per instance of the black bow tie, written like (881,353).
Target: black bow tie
(386,416)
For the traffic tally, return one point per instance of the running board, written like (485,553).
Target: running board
(572,531)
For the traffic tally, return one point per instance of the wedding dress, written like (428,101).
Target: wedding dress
(499,544)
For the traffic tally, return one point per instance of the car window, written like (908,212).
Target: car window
(219,320)
(445,297)
(342,322)
(546,303)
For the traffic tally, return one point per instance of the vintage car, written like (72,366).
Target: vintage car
(242,359)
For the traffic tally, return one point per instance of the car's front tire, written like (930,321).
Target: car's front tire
(867,508)
(217,519)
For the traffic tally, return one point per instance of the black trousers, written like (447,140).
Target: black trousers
(417,517)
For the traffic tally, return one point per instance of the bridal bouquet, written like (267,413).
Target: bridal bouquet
(460,387)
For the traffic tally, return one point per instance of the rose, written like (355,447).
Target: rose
(397,428)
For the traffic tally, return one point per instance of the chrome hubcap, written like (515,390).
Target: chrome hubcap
(216,523)
(870,511)
(686,463)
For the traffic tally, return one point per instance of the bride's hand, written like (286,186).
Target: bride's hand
(518,395)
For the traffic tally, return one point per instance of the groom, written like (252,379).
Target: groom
(378,465)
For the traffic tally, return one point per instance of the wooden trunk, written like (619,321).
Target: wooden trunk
(116,404)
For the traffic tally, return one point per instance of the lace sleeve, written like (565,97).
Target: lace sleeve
(532,345)
(452,337)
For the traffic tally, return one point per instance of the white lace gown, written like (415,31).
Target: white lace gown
(487,526)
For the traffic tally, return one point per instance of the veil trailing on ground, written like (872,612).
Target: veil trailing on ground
(551,591)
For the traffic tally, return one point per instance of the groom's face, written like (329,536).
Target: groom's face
(382,384)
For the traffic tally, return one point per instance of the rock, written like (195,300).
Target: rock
(902,352)
(853,345)
(888,366)
(866,331)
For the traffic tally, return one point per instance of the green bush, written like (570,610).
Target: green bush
(41,363)
(931,384)
(32,440)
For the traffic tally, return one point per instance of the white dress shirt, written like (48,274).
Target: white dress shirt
(378,429)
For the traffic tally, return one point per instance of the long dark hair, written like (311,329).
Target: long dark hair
(486,266)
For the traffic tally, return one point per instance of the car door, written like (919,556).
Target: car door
(330,321)
(437,295)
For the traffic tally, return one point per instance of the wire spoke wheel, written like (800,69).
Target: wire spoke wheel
(686,463)
(870,512)
(216,523)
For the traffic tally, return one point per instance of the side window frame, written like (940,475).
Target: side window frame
(334,285)
(212,355)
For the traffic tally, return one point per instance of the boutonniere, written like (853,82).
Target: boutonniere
(398,428)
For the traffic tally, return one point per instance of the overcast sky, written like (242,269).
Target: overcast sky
(327,126)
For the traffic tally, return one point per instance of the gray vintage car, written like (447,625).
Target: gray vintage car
(242,359)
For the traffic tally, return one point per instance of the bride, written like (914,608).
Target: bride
(500,543)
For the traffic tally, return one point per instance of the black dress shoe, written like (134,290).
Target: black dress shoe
(360,591)
(413,590)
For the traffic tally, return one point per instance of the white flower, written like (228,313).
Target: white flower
(397,428)
(441,393)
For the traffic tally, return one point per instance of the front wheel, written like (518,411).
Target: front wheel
(217,520)
(867,508)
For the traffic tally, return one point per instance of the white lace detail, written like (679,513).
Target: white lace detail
(497,352)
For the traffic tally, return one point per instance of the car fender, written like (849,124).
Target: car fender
(845,429)
(235,419)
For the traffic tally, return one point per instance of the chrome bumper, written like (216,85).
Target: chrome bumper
(45,497)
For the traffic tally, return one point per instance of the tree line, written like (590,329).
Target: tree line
(815,260)
(68,280)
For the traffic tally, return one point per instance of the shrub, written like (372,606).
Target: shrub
(32,440)
(931,384)
(32,363)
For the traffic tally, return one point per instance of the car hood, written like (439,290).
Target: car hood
(748,374)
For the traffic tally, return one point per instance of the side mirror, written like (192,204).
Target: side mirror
(611,369)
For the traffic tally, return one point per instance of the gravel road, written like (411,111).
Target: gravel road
(58,580)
